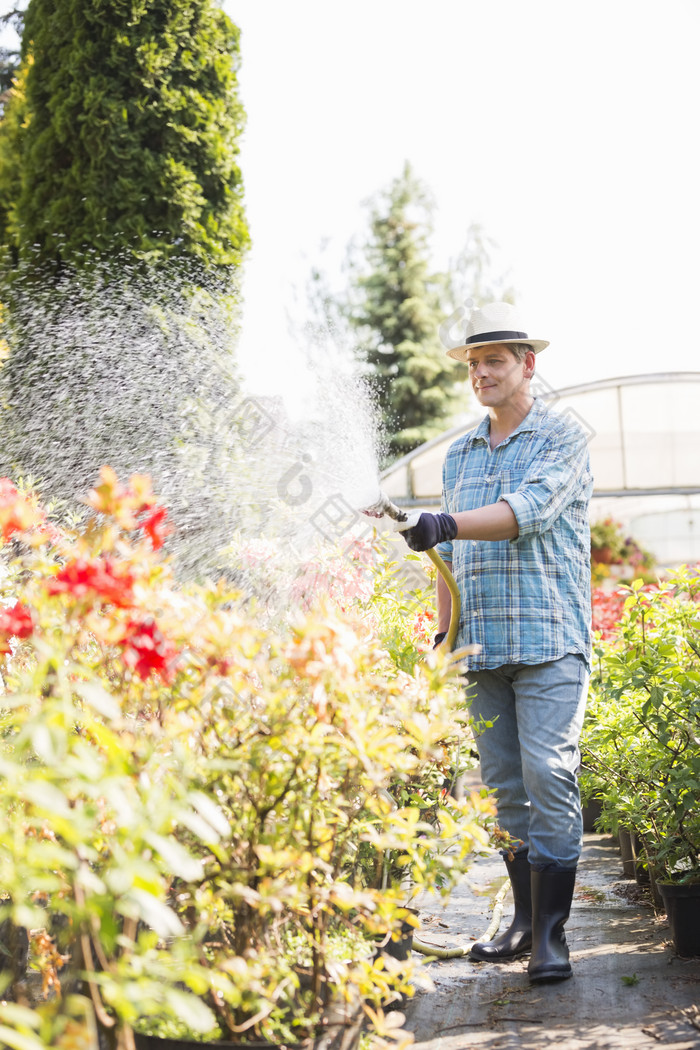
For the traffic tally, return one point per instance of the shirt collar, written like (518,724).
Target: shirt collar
(531,422)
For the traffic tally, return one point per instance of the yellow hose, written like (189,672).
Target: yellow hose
(449,640)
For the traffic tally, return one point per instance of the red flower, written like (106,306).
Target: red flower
(147,650)
(15,622)
(607,611)
(154,526)
(103,577)
(424,625)
(16,512)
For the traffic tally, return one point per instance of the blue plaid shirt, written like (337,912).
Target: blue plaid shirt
(526,600)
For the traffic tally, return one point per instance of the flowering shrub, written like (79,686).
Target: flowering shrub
(196,807)
(611,547)
(609,607)
(15,622)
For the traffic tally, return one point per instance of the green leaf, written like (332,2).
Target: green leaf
(180,862)
(154,912)
(213,815)
(191,1010)
(17,1041)
(17,1015)
(97,697)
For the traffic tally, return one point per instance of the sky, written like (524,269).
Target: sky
(567,130)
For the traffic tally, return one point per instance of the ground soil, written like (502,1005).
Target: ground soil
(630,991)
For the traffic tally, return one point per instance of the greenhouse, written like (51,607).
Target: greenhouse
(644,440)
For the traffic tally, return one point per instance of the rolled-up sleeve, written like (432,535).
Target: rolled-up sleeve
(558,475)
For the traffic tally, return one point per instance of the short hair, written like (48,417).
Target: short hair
(519,350)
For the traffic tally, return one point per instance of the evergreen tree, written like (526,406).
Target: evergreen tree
(129,134)
(9,56)
(397,312)
(121,234)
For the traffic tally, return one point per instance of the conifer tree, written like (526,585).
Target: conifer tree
(121,233)
(9,56)
(129,136)
(397,311)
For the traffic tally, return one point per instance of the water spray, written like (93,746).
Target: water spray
(383,507)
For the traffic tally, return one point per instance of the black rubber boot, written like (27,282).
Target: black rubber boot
(551,903)
(517,939)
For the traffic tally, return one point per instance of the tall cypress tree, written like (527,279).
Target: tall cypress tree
(129,136)
(398,309)
(9,56)
(121,232)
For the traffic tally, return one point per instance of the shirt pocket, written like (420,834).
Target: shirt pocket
(509,482)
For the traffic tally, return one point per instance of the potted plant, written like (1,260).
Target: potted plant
(606,542)
(641,738)
(613,553)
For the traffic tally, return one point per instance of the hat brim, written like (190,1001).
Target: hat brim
(459,353)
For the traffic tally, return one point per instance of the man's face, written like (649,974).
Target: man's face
(497,378)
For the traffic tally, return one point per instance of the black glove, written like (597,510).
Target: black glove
(430,530)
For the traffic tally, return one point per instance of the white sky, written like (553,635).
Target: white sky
(569,130)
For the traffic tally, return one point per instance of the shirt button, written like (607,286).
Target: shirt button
(487,477)
(473,543)
(473,577)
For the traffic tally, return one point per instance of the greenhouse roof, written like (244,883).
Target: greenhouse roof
(643,433)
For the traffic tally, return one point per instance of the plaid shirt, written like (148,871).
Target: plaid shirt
(526,600)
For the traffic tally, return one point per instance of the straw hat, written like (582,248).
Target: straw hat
(495,323)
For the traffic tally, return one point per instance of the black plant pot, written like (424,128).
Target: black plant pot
(154,1042)
(683,910)
(402,947)
(591,811)
(629,858)
(641,867)
(341,1030)
(657,899)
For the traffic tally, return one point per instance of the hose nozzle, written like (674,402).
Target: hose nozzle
(383,506)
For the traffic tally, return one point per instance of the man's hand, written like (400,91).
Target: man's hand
(429,530)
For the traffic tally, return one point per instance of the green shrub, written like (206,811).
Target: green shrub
(641,739)
(206,817)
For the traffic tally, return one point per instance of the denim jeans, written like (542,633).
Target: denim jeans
(530,755)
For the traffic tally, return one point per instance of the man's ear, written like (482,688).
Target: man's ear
(529,362)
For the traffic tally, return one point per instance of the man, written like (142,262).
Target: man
(515,531)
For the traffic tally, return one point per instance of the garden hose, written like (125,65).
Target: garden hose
(457,953)
(382,506)
(455,609)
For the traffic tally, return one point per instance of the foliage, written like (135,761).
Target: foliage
(9,56)
(203,818)
(471,281)
(129,134)
(640,743)
(611,546)
(607,609)
(397,314)
(11,130)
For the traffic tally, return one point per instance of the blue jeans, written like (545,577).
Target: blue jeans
(530,755)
